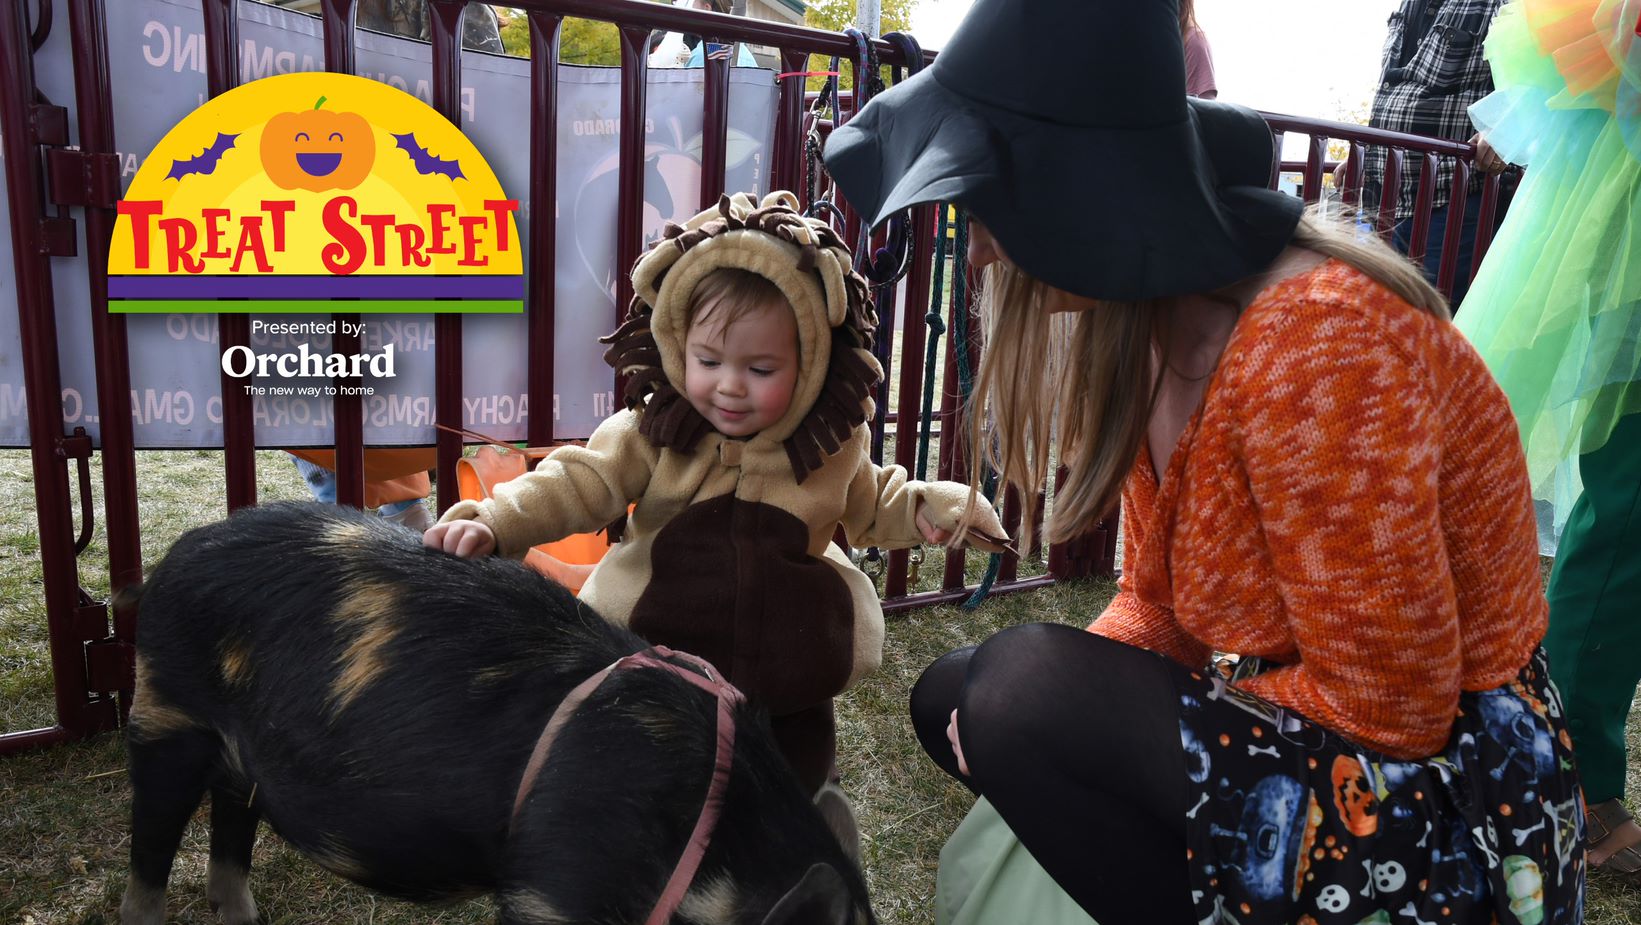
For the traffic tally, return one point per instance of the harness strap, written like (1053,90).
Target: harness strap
(708,680)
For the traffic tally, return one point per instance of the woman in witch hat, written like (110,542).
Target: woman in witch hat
(1316,473)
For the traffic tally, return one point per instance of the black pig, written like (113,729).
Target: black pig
(377,701)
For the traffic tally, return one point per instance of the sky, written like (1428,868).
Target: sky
(1317,58)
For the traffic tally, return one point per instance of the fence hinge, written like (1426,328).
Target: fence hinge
(59,237)
(91,620)
(49,124)
(74,446)
(111,665)
(81,179)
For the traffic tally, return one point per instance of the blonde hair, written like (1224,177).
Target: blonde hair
(1085,381)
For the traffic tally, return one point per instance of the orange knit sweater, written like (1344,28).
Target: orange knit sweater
(1350,501)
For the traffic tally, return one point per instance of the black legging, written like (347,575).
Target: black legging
(1075,740)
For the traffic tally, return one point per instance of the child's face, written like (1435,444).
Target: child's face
(741,379)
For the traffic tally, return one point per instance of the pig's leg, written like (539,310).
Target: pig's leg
(233,832)
(169,775)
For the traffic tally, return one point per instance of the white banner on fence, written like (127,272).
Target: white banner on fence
(157,52)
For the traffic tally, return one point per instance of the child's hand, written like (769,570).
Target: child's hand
(957,748)
(468,539)
(925,526)
(982,536)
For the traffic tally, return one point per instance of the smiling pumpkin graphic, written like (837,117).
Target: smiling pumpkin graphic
(1358,805)
(318,149)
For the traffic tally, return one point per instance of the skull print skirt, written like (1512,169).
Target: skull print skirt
(1293,824)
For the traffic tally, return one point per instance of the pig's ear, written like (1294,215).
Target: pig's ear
(820,898)
(840,818)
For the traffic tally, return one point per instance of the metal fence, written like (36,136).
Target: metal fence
(53,186)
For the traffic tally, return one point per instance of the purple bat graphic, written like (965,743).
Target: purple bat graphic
(427,163)
(206,161)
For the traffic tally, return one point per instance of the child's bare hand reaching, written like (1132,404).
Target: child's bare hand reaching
(931,533)
(468,539)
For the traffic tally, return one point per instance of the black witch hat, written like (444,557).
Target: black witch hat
(1063,125)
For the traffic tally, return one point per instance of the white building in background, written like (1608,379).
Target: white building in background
(675,49)
(781,11)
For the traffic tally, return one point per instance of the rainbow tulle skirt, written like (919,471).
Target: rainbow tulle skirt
(1555,308)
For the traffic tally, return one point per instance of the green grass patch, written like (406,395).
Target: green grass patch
(64,810)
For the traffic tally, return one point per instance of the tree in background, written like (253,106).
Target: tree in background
(580,41)
(1356,114)
(837,15)
(515,31)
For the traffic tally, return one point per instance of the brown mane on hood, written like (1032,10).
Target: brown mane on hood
(666,417)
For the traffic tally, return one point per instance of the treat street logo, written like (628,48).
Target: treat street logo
(320,193)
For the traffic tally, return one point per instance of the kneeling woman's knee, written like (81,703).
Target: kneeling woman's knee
(937,691)
(1030,684)
(1002,709)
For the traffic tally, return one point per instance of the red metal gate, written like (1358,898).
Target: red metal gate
(91,641)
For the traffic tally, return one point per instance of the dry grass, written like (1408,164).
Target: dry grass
(63,811)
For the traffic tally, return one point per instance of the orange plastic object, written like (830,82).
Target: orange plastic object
(391,473)
(568,561)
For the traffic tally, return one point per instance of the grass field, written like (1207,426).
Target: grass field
(63,811)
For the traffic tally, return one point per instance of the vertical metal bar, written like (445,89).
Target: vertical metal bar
(1420,237)
(1105,566)
(883,347)
(1059,559)
(853,222)
(77,714)
(233,330)
(714,128)
(1449,267)
(1390,190)
(1037,507)
(93,91)
(542,255)
(1485,221)
(445,33)
(1010,569)
(1276,160)
(913,337)
(221,45)
(347,406)
(1351,195)
(1089,553)
(336,18)
(1313,168)
(629,229)
(787,166)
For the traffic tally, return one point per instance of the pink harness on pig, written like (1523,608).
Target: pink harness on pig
(709,681)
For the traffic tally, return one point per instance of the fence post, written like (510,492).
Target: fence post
(22,119)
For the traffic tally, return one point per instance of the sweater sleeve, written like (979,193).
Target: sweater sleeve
(1133,620)
(576,489)
(1340,443)
(1137,623)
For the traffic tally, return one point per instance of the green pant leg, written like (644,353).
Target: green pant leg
(1594,641)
